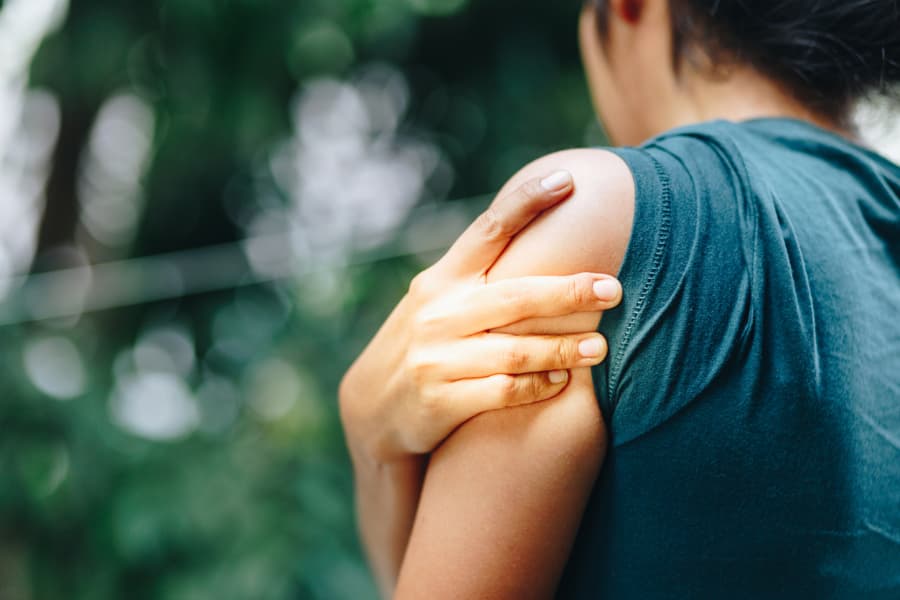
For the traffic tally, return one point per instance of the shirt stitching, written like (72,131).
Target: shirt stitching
(655,267)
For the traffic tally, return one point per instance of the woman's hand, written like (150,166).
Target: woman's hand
(435,363)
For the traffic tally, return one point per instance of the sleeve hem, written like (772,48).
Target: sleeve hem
(646,250)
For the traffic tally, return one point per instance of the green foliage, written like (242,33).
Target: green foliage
(254,500)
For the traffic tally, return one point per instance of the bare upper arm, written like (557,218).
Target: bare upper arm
(587,232)
(503,496)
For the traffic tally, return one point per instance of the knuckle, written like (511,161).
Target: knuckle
(420,367)
(575,291)
(532,189)
(516,361)
(585,284)
(489,224)
(513,299)
(421,284)
(566,353)
(537,386)
(582,291)
(508,386)
(429,405)
(428,320)
(492,225)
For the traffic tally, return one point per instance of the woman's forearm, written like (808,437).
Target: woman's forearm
(386,498)
(387,485)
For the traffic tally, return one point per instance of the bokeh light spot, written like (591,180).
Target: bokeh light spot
(55,367)
(320,47)
(165,350)
(274,389)
(156,406)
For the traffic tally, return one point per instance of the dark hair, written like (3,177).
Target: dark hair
(827,53)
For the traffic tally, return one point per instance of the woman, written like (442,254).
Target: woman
(749,411)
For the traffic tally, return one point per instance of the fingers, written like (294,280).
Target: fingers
(483,242)
(503,303)
(471,397)
(496,353)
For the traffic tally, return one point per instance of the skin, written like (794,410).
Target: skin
(503,495)
(445,355)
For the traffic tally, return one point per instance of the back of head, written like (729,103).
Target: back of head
(826,53)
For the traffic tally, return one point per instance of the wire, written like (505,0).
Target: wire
(68,293)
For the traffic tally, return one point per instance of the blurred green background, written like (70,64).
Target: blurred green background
(206,209)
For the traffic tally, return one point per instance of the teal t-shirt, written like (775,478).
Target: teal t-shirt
(752,390)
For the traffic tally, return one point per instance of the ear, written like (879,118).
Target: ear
(628,10)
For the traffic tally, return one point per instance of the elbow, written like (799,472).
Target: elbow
(349,402)
(343,397)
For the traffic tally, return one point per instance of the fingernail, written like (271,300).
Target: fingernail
(558,376)
(590,348)
(606,289)
(557,181)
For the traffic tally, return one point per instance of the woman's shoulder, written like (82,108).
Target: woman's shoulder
(624,202)
(663,218)
(587,232)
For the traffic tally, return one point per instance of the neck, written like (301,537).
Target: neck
(739,95)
